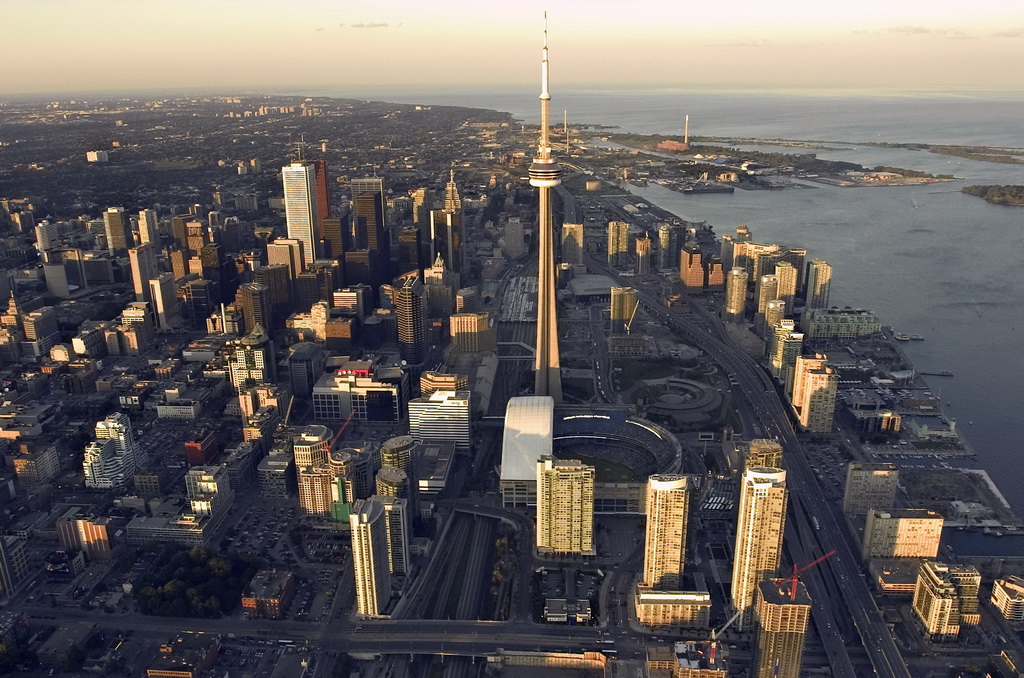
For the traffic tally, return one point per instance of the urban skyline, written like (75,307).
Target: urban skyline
(337,438)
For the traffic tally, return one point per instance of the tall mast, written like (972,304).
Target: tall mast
(544,174)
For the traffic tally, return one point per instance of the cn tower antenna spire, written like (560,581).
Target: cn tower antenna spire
(545,174)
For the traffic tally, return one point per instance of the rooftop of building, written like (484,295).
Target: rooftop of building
(269,583)
(782,592)
(906,513)
(529,425)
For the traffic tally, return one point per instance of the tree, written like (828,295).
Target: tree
(73,660)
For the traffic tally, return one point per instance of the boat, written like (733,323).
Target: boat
(902,337)
(916,337)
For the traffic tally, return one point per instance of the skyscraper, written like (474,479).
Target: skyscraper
(762,452)
(545,174)
(410,251)
(668,512)
(300,207)
(323,201)
(421,203)
(669,237)
(14,568)
(783,612)
(118,231)
(715,274)
(256,304)
(165,301)
(144,268)
(774,313)
(306,363)
(149,227)
(618,243)
(819,280)
(623,308)
(735,294)
(399,530)
(370,557)
(400,453)
(291,253)
(643,254)
(767,290)
(411,310)
(784,344)
(514,244)
(565,507)
(316,479)
(334,238)
(691,268)
(815,385)
(787,275)
(759,530)
(572,244)
(279,287)
(368,215)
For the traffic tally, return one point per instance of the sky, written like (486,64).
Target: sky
(263,45)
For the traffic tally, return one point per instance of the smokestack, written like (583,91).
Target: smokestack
(686,131)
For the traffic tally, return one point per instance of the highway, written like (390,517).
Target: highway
(806,501)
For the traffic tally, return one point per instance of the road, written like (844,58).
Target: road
(806,501)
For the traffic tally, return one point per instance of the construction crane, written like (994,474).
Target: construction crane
(629,323)
(797,571)
(342,429)
(282,425)
(715,633)
(288,412)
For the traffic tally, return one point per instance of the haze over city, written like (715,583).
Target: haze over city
(187,44)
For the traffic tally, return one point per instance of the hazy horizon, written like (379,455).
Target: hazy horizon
(259,45)
(361,92)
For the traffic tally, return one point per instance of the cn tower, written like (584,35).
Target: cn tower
(544,174)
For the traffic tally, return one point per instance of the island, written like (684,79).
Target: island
(998,195)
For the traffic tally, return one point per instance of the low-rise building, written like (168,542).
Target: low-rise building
(71,636)
(187,655)
(687,659)
(268,594)
(672,611)
(562,611)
